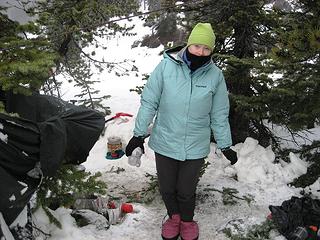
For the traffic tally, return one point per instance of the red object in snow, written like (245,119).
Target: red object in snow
(126,208)
(313,228)
(119,114)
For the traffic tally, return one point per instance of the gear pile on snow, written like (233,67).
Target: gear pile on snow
(113,213)
(295,215)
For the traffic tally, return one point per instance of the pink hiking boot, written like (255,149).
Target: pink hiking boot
(171,228)
(189,230)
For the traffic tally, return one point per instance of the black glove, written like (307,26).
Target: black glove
(133,144)
(230,155)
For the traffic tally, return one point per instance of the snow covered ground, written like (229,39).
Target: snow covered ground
(257,176)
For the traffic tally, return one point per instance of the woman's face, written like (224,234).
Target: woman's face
(199,50)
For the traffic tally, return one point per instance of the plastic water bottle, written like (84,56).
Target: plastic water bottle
(135,158)
(114,216)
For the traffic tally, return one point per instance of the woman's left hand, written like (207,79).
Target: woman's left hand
(230,155)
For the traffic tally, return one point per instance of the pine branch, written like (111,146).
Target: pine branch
(52,218)
(256,232)
(228,195)
(98,61)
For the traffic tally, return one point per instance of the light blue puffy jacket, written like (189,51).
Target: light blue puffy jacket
(185,106)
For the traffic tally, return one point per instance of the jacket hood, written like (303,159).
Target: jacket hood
(175,53)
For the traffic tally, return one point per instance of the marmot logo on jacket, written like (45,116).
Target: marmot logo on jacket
(202,86)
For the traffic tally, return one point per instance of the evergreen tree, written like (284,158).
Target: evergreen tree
(62,30)
(294,102)
(295,99)
(78,25)
(164,21)
(255,42)
(25,60)
(88,93)
(243,30)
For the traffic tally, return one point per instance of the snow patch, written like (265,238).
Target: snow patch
(3,137)
(23,190)
(12,198)
(23,184)
(5,230)
(256,165)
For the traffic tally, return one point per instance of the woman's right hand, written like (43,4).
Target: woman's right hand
(133,144)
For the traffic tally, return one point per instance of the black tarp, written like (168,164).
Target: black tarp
(48,131)
(296,212)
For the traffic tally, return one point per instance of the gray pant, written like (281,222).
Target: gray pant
(177,182)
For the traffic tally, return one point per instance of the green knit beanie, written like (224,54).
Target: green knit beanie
(202,33)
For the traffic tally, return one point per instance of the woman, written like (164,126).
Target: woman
(187,95)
